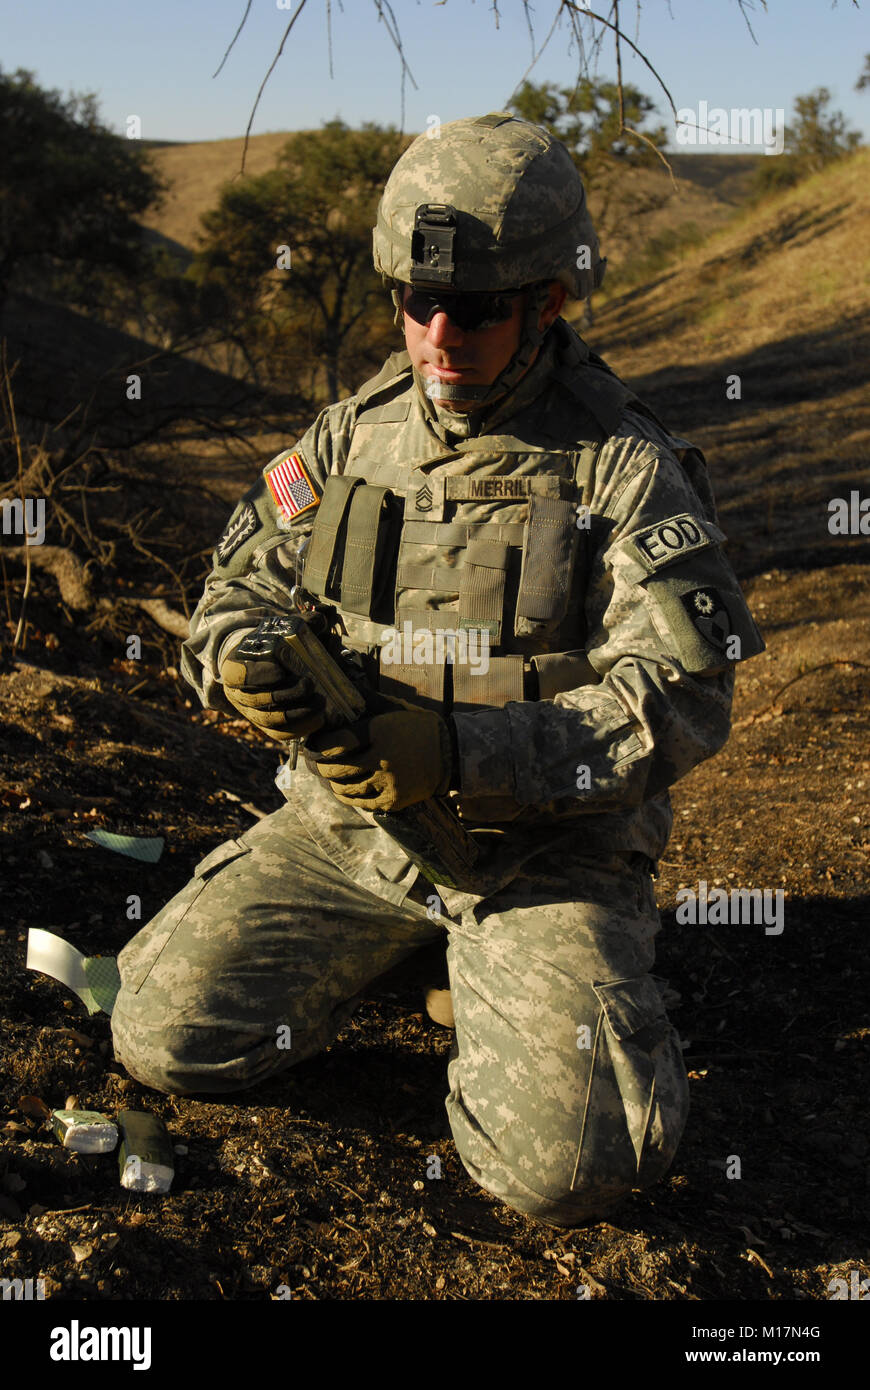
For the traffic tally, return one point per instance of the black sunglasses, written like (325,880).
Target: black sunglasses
(470,312)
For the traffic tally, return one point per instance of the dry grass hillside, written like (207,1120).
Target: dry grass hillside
(778,297)
(707,186)
(195,174)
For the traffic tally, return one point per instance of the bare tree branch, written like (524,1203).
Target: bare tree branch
(274,63)
(749,5)
(528,15)
(233,39)
(619,67)
(539,54)
(167,618)
(570,5)
(390,19)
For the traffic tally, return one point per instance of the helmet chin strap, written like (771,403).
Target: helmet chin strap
(531,338)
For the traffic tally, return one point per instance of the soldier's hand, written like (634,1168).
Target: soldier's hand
(387,762)
(272,696)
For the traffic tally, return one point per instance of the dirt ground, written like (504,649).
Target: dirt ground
(318,1181)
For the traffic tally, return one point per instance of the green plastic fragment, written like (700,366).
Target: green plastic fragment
(148,850)
(104,981)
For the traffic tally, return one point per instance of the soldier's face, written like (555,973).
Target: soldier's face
(441,350)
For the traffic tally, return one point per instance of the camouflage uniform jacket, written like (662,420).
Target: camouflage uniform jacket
(572,528)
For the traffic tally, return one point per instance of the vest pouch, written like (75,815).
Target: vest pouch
(325,558)
(550,541)
(419,682)
(486,680)
(482,587)
(371,547)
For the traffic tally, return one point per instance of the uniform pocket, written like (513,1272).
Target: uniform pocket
(139,957)
(637,1095)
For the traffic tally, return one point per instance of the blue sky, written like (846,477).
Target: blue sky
(156,59)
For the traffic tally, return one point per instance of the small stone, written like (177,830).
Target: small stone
(418,1186)
(82,1252)
(180,1149)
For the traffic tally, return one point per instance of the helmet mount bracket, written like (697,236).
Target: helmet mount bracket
(433,261)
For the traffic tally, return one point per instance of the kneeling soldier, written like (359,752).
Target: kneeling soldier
(517,552)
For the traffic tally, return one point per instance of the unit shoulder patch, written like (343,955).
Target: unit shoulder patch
(709,613)
(293,490)
(242,524)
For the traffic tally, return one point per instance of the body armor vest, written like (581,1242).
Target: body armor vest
(433,553)
(459,571)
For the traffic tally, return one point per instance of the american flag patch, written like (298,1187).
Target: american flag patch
(291,487)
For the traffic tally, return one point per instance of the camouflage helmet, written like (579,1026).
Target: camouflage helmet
(492,203)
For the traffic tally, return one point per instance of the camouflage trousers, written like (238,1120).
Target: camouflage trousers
(567,1085)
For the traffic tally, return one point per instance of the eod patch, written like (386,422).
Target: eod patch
(673,539)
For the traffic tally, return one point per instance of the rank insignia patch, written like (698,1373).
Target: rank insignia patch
(291,488)
(708,612)
(240,527)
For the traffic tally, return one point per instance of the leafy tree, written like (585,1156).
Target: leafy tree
(815,138)
(324,309)
(818,136)
(592,121)
(864,76)
(602,126)
(70,191)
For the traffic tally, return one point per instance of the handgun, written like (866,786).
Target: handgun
(429,831)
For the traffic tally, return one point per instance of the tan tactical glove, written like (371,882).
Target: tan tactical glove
(387,762)
(271,696)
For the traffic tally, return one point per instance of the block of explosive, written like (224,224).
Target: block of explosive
(145,1157)
(86,1131)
